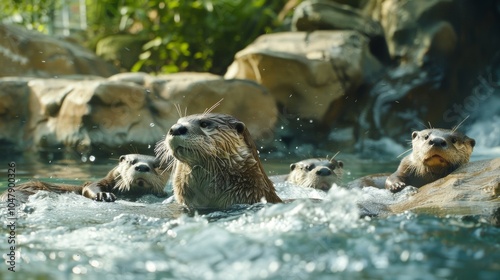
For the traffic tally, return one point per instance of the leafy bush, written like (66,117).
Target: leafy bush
(196,35)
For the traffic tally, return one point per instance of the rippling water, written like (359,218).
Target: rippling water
(71,237)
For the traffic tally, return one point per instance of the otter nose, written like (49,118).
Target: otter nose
(438,141)
(142,168)
(178,129)
(323,172)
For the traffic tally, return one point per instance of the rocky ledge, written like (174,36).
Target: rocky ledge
(125,112)
(472,190)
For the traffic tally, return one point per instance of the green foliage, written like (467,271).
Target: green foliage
(196,35)
(33,14)
(181,35)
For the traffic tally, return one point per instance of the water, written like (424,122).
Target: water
(71,237)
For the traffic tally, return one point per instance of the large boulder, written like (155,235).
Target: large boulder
(427,22)
(306,72)
(127,112)
(29,53)
(433,51)
(196,92)
(314,15)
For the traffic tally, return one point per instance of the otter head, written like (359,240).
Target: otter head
(215,162)
(202,138)
(441,149)
(316,173)
(138,173)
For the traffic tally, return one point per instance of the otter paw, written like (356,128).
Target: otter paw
(397,186)
(105,196)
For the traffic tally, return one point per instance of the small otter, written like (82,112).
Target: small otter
(135,175)
(215,164)
(436,153)
(317,173)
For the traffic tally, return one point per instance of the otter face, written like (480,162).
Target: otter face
(200,138)
(140,174)
(441,148)
(316,173)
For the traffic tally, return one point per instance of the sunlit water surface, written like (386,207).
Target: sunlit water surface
(71,237)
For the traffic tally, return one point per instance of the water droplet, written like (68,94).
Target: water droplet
(92,158)
(405,255)
(150,266)
(151,124)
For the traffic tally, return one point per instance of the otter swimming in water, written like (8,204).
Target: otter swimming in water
(134,176)
(435,154)
(215,164)
(317,173)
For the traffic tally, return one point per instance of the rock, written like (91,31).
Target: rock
(403,25)
(306,72)
(123,113)
(196,92)
(29,53)
(327,15)
(14,113)
(472,190)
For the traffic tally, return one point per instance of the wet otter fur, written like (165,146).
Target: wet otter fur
(215,164)
(435,154)
(134,176)
(317,173)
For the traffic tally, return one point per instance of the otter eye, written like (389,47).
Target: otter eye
(204,124)
(426,136)
(453,140)
(310,167)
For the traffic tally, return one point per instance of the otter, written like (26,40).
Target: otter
(317,173)
(215,163)
(435,154)
(135,175)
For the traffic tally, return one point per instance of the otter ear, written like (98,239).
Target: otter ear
(414,134)
(240,127)
(340,163)
(122,158)
(292,166)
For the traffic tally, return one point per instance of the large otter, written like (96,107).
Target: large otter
(436,153)
(135,175)
(215,164)
(317,173)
